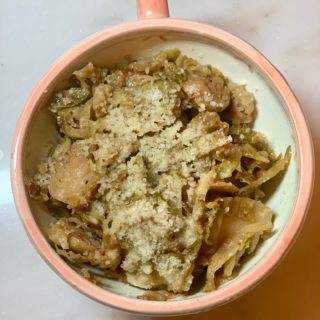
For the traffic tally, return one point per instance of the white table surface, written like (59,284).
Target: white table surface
(33,33)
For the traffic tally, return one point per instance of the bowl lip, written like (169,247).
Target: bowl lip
(243,283)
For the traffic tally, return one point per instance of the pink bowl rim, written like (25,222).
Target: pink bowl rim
(243,283)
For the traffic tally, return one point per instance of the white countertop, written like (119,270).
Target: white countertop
(33,33)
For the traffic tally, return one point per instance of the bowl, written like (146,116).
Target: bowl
(279,117)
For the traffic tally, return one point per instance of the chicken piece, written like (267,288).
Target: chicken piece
(76,242)
(208,92)
(242,106)
(73,180)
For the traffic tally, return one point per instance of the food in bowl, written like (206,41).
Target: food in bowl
(158,175)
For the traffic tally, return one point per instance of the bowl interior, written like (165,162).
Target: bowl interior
(273,119)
